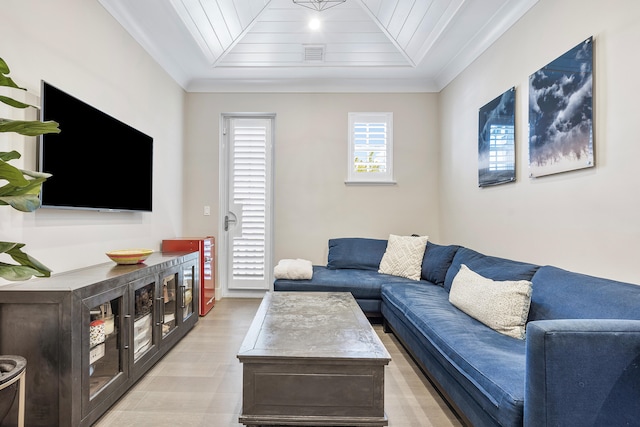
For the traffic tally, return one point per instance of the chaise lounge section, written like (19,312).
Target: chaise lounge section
(579,364)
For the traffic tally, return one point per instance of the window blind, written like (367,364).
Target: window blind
(370,147)
(249,192)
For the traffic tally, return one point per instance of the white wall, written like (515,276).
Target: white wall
(312,202)
(584,220)
(77,46)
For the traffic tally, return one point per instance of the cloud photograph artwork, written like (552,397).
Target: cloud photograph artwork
(496,140)
(561,113)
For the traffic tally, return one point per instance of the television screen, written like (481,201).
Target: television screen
(96,161)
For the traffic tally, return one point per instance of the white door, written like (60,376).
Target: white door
(245,206)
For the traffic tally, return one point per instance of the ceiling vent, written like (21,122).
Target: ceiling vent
(313,53)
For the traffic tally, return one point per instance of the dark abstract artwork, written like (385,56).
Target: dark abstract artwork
(496,140)
(561,113)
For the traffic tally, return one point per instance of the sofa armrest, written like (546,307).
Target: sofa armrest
(582,372)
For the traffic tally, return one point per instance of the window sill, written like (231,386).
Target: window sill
(370,183)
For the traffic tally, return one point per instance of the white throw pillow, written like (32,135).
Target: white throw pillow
(403,256)
(502,306)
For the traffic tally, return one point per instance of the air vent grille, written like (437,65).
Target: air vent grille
(313,53)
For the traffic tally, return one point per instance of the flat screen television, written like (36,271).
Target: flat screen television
(96,161)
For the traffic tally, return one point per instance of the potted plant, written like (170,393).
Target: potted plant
(21,188)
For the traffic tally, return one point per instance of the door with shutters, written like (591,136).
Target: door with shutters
(246,171)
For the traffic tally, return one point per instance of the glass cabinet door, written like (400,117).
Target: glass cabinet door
(104,364)
(168,303)
(143,339)
(188,289)
(104,345)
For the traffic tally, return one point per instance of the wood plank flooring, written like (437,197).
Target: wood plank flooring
(199,382)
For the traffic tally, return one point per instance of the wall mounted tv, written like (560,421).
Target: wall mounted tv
(96,161)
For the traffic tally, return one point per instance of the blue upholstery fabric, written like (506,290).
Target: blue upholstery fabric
(364,285)
(437,367)
(436,262)
(583,373)
(370,306)
(583,297)
(488,365)
(579,364)
(489,266)
(356,253)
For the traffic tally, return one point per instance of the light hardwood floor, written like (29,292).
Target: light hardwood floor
(199,382)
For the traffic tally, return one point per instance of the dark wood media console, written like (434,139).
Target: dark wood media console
(89,334)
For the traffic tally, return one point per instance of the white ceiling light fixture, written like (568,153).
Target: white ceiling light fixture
(314,24)
(318,5)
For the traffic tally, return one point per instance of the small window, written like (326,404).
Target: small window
(370,148)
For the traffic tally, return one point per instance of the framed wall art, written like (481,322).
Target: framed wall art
(561,113)
(496,140)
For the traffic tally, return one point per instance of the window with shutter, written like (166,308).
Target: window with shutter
(370,148)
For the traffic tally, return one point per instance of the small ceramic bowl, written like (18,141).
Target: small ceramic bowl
(129,256)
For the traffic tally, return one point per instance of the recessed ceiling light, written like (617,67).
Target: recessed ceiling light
(314,24)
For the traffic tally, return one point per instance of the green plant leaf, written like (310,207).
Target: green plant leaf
(22,203)
(28,127)
(20,192)
(34,174)
(14,103)
(33,187)
(4,68)
(8,82)
(18,272)
(5,80)
(27,266)
(21,186)
(24,199)
(12,174)
(7,246)
(9,155)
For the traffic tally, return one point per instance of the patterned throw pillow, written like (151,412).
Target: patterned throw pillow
(403,256)
(502,306)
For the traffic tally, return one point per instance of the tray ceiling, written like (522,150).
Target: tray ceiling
(360,45)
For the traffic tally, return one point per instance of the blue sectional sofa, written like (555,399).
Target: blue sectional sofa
(579,364)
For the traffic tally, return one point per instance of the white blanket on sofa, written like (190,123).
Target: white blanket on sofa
(294,269)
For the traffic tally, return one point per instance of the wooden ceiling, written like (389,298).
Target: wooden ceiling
(360,45)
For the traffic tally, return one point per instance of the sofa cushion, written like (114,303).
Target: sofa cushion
(489,366)
(436,262)
(561,294)
(490,267)
(355,252)
(403,256)
(363,284)
(501,305)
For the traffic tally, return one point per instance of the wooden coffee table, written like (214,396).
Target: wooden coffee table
(312,359)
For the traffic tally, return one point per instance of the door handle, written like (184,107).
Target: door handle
(127,319)
(229,220)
